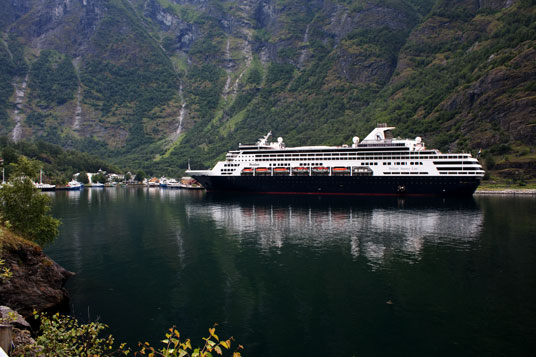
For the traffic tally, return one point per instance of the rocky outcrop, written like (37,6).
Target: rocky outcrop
(501,98)
(21,331)
(36,282)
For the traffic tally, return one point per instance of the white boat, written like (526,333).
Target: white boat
(153,182)
(189,183)
(73,185)
(172,183)
(163,182)
(43,186)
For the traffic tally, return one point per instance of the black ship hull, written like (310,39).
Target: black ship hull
(344,185)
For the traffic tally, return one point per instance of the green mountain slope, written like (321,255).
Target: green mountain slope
(152,84)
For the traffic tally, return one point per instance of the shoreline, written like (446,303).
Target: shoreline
(505,191)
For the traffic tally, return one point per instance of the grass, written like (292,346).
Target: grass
(12,240)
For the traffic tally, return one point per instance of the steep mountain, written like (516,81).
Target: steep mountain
(152,84)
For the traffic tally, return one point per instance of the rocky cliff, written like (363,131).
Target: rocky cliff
(153,83)
(36,281)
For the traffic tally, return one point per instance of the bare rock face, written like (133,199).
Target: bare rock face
(37,281)
(500,98)
(12,317)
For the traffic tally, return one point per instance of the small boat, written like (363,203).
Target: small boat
(164,182)
(97,185)
(153,182)
(260,171)
(172,183)
(190,183)
(44,186)
(341,171)
(73,185)
(300,171)
(281,171)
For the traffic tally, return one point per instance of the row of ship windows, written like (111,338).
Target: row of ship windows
(405,173)
(341,158)
(403,163)
(457,173)
(355,156)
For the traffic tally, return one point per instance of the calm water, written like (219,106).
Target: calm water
(311,276)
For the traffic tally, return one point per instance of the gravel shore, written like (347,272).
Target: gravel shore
(509,191)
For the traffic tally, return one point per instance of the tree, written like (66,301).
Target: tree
(24,168)
(9,155)
(25,208)
(140,176)
(82,177)
(98,178)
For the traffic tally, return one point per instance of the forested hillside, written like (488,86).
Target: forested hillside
(151,84)
(58,165)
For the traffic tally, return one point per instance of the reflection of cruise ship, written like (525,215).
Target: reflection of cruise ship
(374,231)
(379,165)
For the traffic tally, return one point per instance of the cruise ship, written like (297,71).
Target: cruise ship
(377,165)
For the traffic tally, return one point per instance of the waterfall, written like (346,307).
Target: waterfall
(304,51)
(78,112)
(227,69)
(182,114)
(20,92)
(247,52)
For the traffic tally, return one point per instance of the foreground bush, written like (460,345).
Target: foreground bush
(24,209)
(64,336)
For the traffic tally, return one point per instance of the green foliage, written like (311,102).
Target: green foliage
(117,85)
(140,176)
(64,336)
(98,178)
(6,89)
(206,84)
(83,178)
(53,79)
(58,164)
(175,347)
(490,162)
(24,168)
(5,272)
(25,208)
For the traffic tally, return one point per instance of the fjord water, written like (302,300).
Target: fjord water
(294,275)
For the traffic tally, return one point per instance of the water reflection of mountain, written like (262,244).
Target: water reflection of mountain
(371,227)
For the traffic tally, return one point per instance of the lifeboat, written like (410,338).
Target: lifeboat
(247,171)
(341,171)
(281,171)
(300,171)
(262,171)
(320,171)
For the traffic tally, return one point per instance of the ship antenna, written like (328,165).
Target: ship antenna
(188,164)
